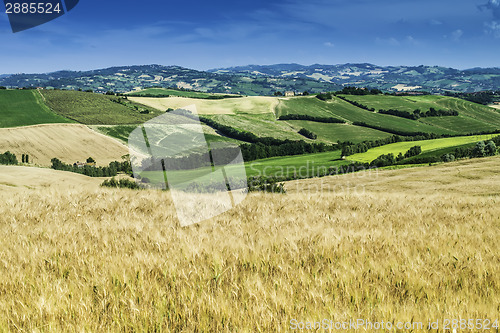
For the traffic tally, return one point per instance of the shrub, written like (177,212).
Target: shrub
(308,134)
(122,183)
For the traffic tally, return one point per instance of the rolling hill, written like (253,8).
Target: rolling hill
(96,109)
(404,245)
(25,107)
(395,78)
(15,179)
(68,142)
(132,78)
(265,80)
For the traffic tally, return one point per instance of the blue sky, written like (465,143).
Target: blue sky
(219,33)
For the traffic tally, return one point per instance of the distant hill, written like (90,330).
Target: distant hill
(130,78)
(265,80)
(429,78)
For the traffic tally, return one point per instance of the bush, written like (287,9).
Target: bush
(122,183)
(266,184)
(308,134)
(324,97)
(8,158)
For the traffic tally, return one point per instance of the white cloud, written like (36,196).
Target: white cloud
(329,44)
(456,35)
(492,28)
(387,41)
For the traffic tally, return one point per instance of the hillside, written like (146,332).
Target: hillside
(95,109)
(25,107)
(131,78)
(265,80)
(260,115)
(68,142)
(395,78)
(474,177)
(14,179)
(164,92)
(417,244)
(245,105)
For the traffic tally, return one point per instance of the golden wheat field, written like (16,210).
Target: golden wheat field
(84,258)
(250,105)
(67,142)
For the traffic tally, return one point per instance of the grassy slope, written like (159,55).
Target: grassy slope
(416,245)
(303,165)
(171,92)
(340,132)
(255,114)
(472,117)
(403,103)
(261,125)
(93,109)
(343,110)
(25,107)
(122,132)
(427,145)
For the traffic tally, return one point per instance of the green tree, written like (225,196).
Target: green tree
(490,149)
(479,149)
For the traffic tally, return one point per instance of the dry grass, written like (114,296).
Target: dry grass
(251,105)
(477,177)
(68,142)
(95,259)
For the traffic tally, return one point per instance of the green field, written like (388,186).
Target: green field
(303,165)
(343,110)
(472,117)
(264,125)
(95,109)
(306,166)
(122,132)
(25,107)
(162,92)
(403,103)
(438,152)
(340,132)
(427,145)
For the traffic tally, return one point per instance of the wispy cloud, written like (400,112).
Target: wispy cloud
(493,6)
(492,27)
(456,35)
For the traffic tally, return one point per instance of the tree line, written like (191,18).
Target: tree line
(350,90)
(417,114)
(331,120)
(308,134)
(257,151)
(480,97)
(389,159)
(349,148)
(93,171)
(356,104)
